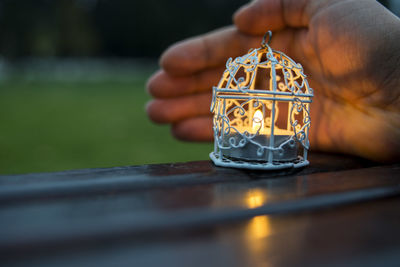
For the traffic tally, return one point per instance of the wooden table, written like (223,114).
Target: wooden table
(339,210)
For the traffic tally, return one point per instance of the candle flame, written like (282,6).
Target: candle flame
(258,121)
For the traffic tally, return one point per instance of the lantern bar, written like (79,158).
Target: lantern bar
(261,110)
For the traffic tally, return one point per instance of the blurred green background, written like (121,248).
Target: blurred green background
(73,74)
(72,80)
(56,125)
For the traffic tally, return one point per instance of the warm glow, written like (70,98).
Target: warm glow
(258,121)
(261,109)
(255,198)
(259,226)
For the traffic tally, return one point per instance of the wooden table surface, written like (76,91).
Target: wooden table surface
(339,210)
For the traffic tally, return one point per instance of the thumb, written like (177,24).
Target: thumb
(260,16)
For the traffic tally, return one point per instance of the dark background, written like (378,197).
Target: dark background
(105,28)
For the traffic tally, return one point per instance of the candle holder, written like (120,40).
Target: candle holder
(261,110)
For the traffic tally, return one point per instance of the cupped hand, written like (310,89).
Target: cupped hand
(349,51)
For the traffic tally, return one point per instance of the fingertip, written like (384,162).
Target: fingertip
(194,129)
(167,58)
(162,85)
(152,82)
(179,132)
(177,109)
(152,111)
(258,17)
(242,19)
(180,58)
(148,109)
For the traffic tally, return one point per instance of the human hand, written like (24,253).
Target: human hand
(349,51)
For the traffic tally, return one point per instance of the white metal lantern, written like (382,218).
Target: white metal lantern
(261,110)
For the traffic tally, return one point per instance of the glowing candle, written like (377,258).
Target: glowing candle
(259,134)
(258,121)
(261,110)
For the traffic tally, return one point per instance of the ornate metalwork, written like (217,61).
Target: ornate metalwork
(261,110)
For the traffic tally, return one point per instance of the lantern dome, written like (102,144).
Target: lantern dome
(261,110)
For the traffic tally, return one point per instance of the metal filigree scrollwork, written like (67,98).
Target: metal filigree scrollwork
(301,131)
(261,112)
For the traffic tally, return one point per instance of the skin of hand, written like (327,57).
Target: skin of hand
(349,49)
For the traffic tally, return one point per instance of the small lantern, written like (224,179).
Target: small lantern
(261,110)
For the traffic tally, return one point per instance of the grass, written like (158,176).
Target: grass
(53,125)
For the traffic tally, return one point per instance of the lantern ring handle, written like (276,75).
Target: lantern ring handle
(264,42)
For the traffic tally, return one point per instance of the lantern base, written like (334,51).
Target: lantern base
(254,165)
